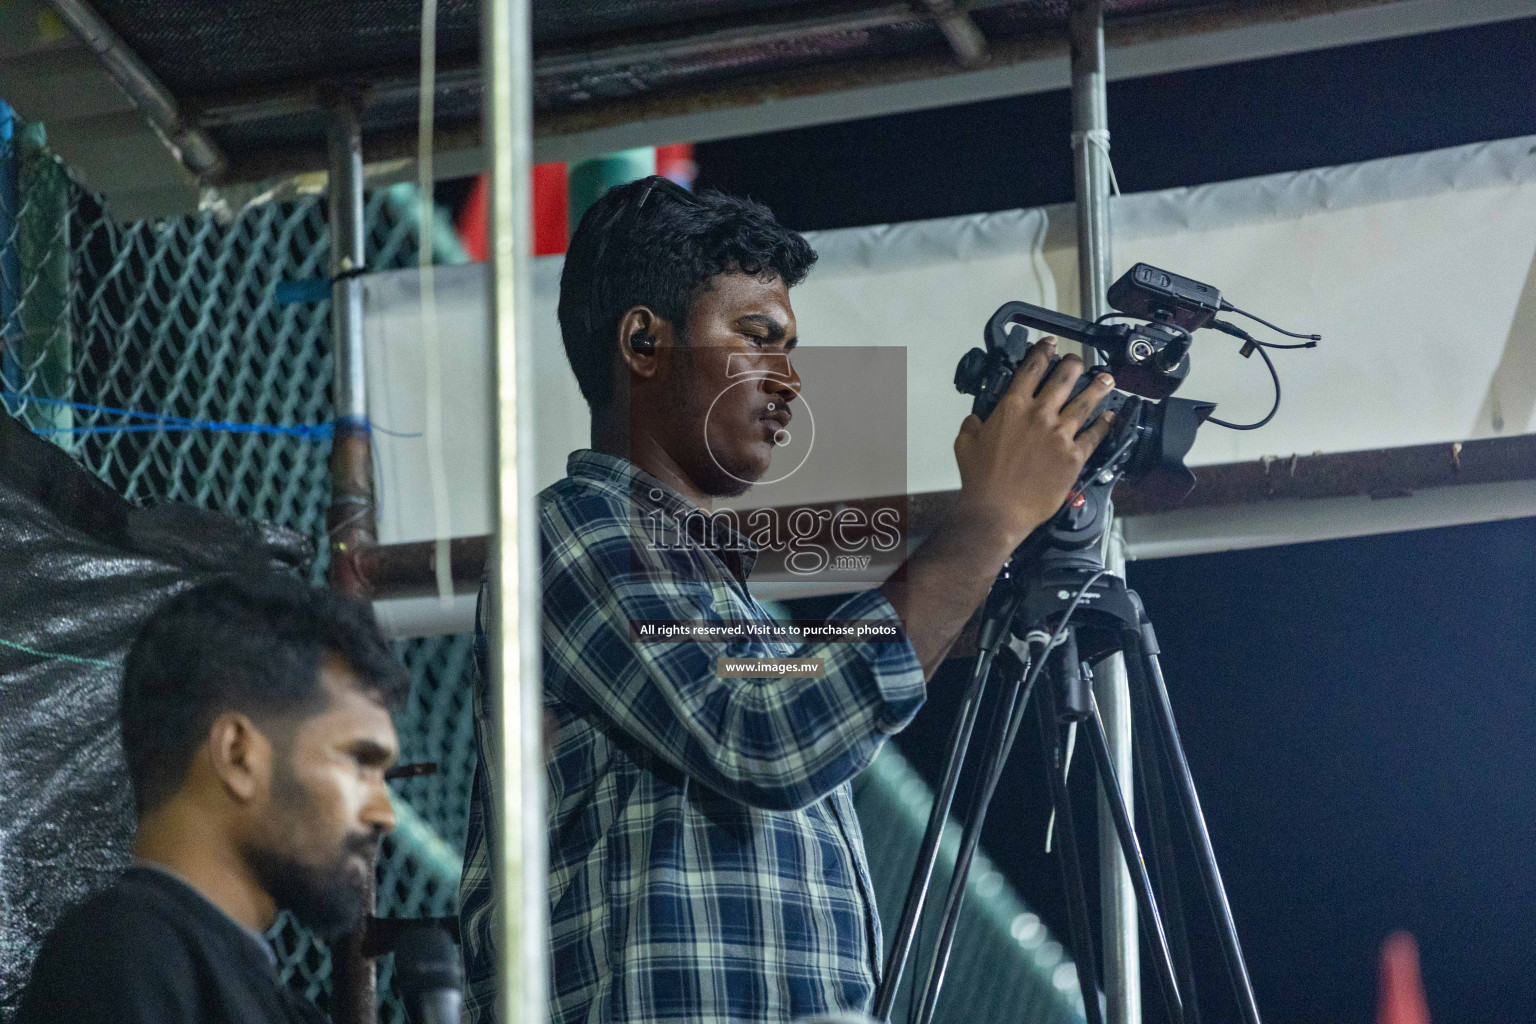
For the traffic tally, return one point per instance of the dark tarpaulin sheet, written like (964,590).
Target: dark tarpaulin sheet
(199,49)
(80,569)
(202,51)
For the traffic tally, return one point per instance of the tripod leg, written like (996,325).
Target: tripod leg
(928,853)
(1161,858)
(1152,920)
(1009,715)
(1178,766)
(1071,865)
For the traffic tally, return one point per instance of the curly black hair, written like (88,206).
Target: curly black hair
(242,643)
(658,250)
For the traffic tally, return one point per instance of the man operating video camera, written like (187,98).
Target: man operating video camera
(256,725)
(705,860)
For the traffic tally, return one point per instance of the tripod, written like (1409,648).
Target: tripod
(1059,622)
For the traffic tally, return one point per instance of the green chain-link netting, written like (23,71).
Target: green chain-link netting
(179,317)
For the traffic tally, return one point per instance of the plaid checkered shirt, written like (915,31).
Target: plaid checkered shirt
(705,863)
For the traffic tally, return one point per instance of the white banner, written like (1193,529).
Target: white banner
(1416,270)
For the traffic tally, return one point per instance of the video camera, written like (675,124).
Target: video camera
(1148,359)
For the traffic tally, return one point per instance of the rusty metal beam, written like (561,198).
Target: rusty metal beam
(405,570)
(350,520)
(601,58)
(965,39)
(1380,473)
(144,90)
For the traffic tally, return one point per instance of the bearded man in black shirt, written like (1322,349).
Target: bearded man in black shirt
(257,730)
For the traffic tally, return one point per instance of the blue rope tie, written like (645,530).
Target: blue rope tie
(157,422)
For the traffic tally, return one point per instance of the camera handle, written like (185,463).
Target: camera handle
(1084,332)
(1147,359)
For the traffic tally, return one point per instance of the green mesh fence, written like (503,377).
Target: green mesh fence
(180,317)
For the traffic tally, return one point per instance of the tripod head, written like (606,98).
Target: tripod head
(1147,444)
(1153,430)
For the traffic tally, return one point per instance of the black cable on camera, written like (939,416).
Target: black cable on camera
(1227,307)
(1250,345)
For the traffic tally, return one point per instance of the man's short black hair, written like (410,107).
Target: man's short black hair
(660,255)
(252,644)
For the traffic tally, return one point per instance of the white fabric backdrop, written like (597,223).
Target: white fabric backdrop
(1417,270)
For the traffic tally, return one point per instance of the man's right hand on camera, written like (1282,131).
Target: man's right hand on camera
(1017,466)
(1016,469)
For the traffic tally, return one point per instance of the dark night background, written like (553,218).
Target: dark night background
(1360,715)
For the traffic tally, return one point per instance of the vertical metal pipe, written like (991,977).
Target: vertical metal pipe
(1090,164)
(521,882)
(1090,155)
(345,145)
(350,518)
(1122,952)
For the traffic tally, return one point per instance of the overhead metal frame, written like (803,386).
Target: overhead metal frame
(1145,47)
(50,76)
(1140,47)
(762,101)
(192,147)
(966,42)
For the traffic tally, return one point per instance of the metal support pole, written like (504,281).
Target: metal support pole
(1090,163)
(1090,153)
(520,874)
(1122,953)
(351,515)
(350,519)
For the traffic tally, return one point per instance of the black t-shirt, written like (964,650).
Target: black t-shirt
(153,950)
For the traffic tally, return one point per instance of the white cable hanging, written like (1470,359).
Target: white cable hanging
(426,214)
(1044,637)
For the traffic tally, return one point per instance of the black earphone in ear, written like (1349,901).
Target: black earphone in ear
(642,342)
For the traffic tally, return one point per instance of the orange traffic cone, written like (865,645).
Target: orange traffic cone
(1400,999)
